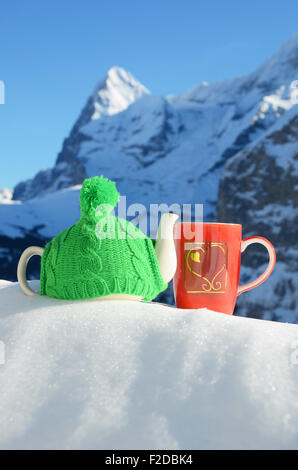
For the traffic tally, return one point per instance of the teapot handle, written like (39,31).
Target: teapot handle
(22,265)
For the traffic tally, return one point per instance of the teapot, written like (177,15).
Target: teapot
(93,260)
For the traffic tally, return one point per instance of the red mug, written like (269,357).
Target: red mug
(208,265)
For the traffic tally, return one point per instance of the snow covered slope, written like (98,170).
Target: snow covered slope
(123,375)
(34,223)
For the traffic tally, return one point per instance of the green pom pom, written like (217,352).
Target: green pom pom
(98,197)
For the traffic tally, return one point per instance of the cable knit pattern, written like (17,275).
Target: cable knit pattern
(80,263)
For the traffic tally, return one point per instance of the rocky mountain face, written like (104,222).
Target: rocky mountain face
(231,145)
(258,188)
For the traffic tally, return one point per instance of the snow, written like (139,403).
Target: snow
(270,76)
(5,196)
(125,375)
(52,213)
(116,92)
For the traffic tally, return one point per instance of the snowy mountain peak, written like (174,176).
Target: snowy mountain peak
(118,74)
(268,79)
(116,92)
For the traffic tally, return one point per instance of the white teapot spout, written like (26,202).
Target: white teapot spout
(165,247)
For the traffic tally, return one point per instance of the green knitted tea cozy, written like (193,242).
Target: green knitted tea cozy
(101,254)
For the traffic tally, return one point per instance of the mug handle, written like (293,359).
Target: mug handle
(22,265)
(272,260)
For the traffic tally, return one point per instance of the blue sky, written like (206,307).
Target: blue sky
(53,53)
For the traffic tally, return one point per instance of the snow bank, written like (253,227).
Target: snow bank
(108,374)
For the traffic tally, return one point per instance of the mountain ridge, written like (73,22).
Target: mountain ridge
(253,110)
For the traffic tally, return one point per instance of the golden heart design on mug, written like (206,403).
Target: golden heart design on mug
(205,267)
